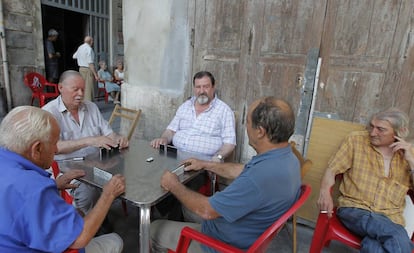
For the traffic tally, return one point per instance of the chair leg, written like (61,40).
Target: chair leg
(319,234)
(294,243)
(124,207)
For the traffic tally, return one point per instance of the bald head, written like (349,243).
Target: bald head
(275,116)
(68,74)
(88,40)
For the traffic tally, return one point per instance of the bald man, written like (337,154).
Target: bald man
(83,130)
(85,57)
(262,190)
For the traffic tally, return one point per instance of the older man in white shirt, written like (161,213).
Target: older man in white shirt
(85,57)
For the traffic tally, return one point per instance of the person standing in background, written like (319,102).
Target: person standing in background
(85,57)
(51,57)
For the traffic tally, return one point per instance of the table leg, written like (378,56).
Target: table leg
(144,228)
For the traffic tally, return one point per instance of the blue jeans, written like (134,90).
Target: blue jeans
(378,232)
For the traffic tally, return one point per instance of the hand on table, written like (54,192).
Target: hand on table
(169,180)
(103,142)
(159,141)
(115,186)
(193,164)
(63,181)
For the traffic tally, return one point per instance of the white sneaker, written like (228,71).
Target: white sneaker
(110,99)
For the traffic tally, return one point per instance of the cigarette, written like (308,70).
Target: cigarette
(78,158)
(323,211)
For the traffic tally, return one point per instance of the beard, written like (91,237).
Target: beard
(203,99)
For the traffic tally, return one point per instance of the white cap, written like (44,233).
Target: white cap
(52,32)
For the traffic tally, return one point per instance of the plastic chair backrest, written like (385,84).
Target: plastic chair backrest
(65,195)
(35,82)
(260,245)
(39,86)
(126,113)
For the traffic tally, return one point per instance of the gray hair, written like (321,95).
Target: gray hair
(398,119)
(67,74)
(276,117)
(24,125)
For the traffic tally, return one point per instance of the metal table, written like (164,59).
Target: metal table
(141,174)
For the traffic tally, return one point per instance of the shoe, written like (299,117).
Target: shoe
(117,102)
(110,99)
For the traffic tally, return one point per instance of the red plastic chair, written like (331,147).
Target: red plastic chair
(260,245)
(102,94)
(65,195)
(329,229)
(38,84)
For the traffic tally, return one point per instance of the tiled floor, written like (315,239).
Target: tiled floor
(127,226)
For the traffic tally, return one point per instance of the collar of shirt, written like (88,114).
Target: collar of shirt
(6,154)
(62,107)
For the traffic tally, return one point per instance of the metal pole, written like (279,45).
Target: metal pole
(315,91)
(4,57)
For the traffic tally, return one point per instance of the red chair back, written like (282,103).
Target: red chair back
(260,245)
(38,84)
(65,195)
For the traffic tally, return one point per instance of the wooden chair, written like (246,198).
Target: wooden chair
(126,113)
(39,86)
(102,94)
(132,116)
(305,165)
(329,229)
(260,245)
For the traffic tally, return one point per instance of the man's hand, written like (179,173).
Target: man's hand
(159,141)
(115,186)
(325,202)
(122,142)
(169,180)
(193,164)
(63,181)
(103,142)
(406,147)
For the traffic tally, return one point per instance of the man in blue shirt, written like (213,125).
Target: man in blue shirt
(261,192)
(33,216)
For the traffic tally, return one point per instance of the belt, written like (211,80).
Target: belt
(81,67)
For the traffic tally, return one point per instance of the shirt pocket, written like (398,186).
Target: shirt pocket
(396,193)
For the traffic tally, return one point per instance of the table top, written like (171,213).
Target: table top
(140,164)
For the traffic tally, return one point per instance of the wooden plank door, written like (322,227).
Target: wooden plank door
(367,65)
(256,48)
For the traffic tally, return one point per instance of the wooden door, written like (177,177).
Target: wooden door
(256,48)
(260,47)
(367,65)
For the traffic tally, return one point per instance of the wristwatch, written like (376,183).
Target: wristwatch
(220,157)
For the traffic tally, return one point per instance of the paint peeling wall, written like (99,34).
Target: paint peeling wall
(156,35)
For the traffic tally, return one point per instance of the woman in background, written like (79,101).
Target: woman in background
(112,88)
